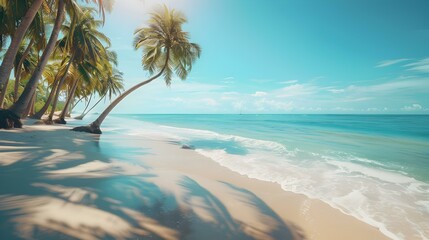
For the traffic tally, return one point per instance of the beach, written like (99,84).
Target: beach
(167,120)
(61,184)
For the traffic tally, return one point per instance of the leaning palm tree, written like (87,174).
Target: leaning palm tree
(86,45)
(166,50)
(24,24)
(17,110)
(10,17)
(107,88)
(17,36)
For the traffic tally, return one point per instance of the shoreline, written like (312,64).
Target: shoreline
(210,198)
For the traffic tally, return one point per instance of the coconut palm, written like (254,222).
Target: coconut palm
(18,35)
(18,108)
(166,50)
(52,75)
(10,16)
(57,89)
(107,84)
(86,46)
(24,23)
(24,65)
(111,86)
(15,112)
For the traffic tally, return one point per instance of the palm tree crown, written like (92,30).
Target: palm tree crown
(166,45)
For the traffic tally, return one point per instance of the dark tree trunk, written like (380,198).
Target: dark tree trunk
(61,119)
(19,107)
(45,107)
(94,127)
(9,119)
(19,69)
(58,90)
(3,93)
(9,57)
(30,109)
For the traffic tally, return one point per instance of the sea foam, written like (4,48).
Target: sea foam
(389,200)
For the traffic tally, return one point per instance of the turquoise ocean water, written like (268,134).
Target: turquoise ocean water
(374,167)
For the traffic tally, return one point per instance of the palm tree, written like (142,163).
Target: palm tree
(19,64)
(10,16)
(109,83)
(52,80)
(7,63)
(112,86)
(16,111)
(19,107)
(59,85)
(85,45)
(24,23)
(166,50)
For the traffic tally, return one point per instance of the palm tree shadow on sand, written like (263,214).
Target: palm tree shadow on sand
(67,193)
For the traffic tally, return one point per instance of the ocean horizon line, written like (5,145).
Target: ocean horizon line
(336,114)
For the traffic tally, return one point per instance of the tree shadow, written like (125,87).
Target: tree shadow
(82,187)
(222,223)
(280,228)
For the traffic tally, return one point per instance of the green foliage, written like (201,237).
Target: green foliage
(166,46)
(166,49)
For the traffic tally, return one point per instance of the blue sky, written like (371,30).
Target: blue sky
(302,56)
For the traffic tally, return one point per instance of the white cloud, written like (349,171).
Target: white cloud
(342,109)
(390,62)
(184,86)
(317,78)
(259,94)
(289,82)
(272,105)
(419,66)
(336,90)
(296,90)
(228,80)
(413,107)
(362,99)
(389,86)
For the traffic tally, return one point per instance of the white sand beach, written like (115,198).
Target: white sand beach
(61,184)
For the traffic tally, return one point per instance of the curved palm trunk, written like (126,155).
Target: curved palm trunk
(48,102)
(19,107)
(84,110)
(9,57)
(94,127)
(58,90)
(3,93)
(85,113)
(62,117)
(75,104)
(89,102)
(30,108)
(19,69)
